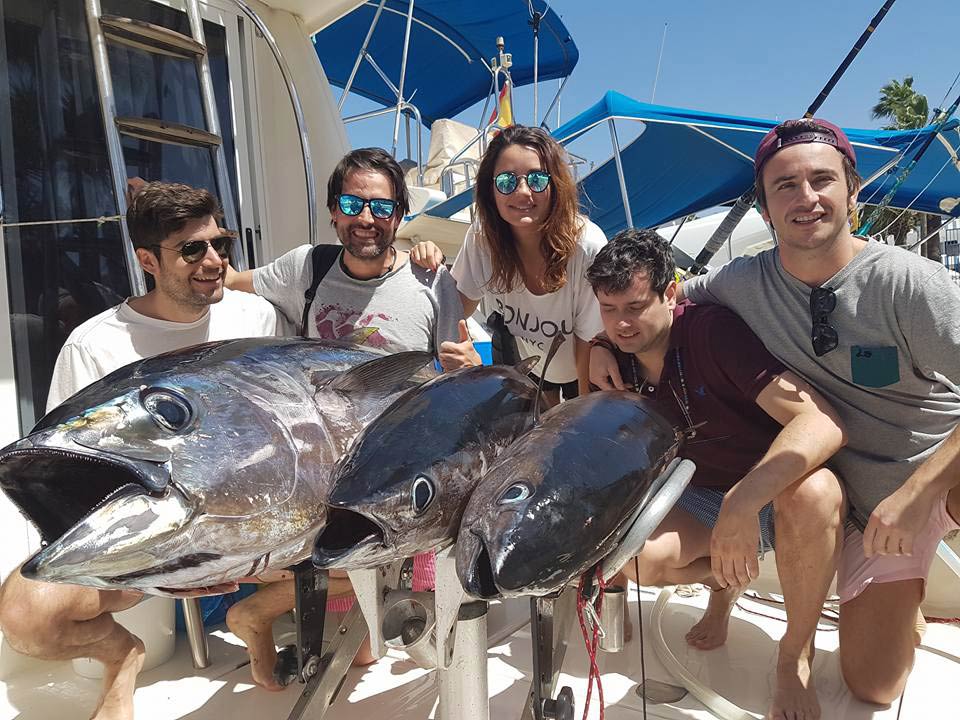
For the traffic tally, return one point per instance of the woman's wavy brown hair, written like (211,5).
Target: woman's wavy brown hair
(558,234)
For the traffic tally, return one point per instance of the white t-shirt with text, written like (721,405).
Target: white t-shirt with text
(534,320)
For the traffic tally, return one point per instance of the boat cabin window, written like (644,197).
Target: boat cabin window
(55,170)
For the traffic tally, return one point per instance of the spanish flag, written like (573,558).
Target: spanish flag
(506,112)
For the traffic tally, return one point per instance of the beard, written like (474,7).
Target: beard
(365,249)
(182,292)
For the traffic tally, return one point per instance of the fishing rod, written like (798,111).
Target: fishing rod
(888,198)
(746,201)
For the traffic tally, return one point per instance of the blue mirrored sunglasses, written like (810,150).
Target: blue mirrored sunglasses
(506,182)
(379,207)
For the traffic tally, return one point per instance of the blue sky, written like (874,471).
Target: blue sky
(747,57)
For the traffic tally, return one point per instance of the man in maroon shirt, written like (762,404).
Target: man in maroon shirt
(761,437)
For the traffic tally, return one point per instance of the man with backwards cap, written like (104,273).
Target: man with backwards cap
(877,330)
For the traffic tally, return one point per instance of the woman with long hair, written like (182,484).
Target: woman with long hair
(526,257)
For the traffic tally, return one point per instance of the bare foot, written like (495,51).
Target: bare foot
(120,680)
(711,631)
(795,697)
(259,641)
(920,628)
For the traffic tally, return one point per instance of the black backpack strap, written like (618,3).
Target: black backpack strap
(322,257)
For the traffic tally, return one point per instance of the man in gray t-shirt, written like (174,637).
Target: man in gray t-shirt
(372,291)
(877,330)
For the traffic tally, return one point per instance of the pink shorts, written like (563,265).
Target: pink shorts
(856,571)
(424,578)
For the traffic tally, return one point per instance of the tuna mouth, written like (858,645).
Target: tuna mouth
(478,580)
(57,488)
(347,535)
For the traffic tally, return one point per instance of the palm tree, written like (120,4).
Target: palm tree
(900,103)
(907,109)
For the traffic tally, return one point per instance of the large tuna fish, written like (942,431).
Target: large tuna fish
(558,500)
(196,467)
(402,487)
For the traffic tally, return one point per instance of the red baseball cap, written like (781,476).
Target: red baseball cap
(806,130)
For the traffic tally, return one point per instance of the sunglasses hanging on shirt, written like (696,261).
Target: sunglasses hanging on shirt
(823,335)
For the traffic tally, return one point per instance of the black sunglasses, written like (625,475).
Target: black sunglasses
(823,335)
(195,250)
(352,205)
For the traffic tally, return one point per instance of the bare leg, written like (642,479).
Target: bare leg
(809,538)
(122,656)
(63,622)
(252,620)
(678,552)
(878,639)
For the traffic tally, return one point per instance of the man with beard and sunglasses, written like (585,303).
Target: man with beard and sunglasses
(876,330)
(372,286)
(373,291)
(178,240)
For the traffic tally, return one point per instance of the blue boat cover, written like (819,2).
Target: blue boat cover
(686,160)
(449,43)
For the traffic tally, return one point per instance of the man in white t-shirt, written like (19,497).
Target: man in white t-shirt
(178,241)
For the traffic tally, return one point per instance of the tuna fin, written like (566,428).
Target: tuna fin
(558,340)
(381,376)
(524,367)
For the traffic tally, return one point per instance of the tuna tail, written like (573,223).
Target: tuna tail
(558,340)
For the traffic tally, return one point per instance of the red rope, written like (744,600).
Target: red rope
(591,640)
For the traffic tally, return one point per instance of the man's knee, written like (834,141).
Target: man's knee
(874,682)
(652,563)
(816,498)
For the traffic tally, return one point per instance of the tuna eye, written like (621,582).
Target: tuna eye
(515,493)
(423,494)
(169,410)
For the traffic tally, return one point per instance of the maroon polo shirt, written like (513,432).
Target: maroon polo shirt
(724,368)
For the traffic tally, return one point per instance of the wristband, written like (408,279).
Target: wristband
(604,343)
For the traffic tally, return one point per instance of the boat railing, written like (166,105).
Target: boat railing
(411,112)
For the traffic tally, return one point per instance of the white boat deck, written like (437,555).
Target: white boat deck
(396,688)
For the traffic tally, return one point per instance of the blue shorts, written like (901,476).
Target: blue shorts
(704,505)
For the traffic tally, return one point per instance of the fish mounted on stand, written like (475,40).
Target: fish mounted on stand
(405,482)
(559,499)
(200,466)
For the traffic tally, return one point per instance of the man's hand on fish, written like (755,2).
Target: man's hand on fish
(427,255)
(733,546)
(604,371)
(455,355)
(220,589)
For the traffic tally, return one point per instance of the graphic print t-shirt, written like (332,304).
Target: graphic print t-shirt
(534,320)
(409,308)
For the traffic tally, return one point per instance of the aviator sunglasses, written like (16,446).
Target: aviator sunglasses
(507,182)
(195,250)
(823,335)
(352,205)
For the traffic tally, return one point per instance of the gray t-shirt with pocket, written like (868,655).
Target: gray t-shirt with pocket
(893,378)
(409,308)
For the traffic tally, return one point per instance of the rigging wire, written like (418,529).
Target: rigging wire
(906,150)
(643,664)
(905,173)
(909,205)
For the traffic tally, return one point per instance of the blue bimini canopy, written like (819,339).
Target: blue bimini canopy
(685,161)
(450,43)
